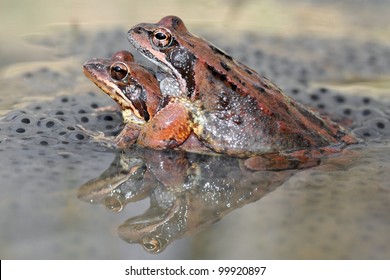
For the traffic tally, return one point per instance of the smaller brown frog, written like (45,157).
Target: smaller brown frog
(133,87)
(151,119)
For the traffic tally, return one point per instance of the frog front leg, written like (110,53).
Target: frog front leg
(169,128)
(128,136)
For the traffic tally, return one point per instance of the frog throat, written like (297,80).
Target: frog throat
(129,117)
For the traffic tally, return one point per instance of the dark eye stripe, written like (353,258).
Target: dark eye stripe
(140,105)
(137,97)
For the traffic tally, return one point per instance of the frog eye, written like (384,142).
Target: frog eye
(161,38)
(119,71)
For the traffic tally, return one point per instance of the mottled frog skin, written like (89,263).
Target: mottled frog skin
(203,100)
(230,108)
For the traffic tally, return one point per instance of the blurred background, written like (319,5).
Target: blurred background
(360,19)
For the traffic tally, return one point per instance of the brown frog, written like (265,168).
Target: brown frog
(228,106)
(150,117)
(157,119)
(134,88)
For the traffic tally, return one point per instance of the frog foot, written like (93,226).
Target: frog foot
(99,137)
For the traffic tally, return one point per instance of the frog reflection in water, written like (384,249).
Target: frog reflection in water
(222,105)
(188,192)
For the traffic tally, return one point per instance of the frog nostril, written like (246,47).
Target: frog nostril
(137,30)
